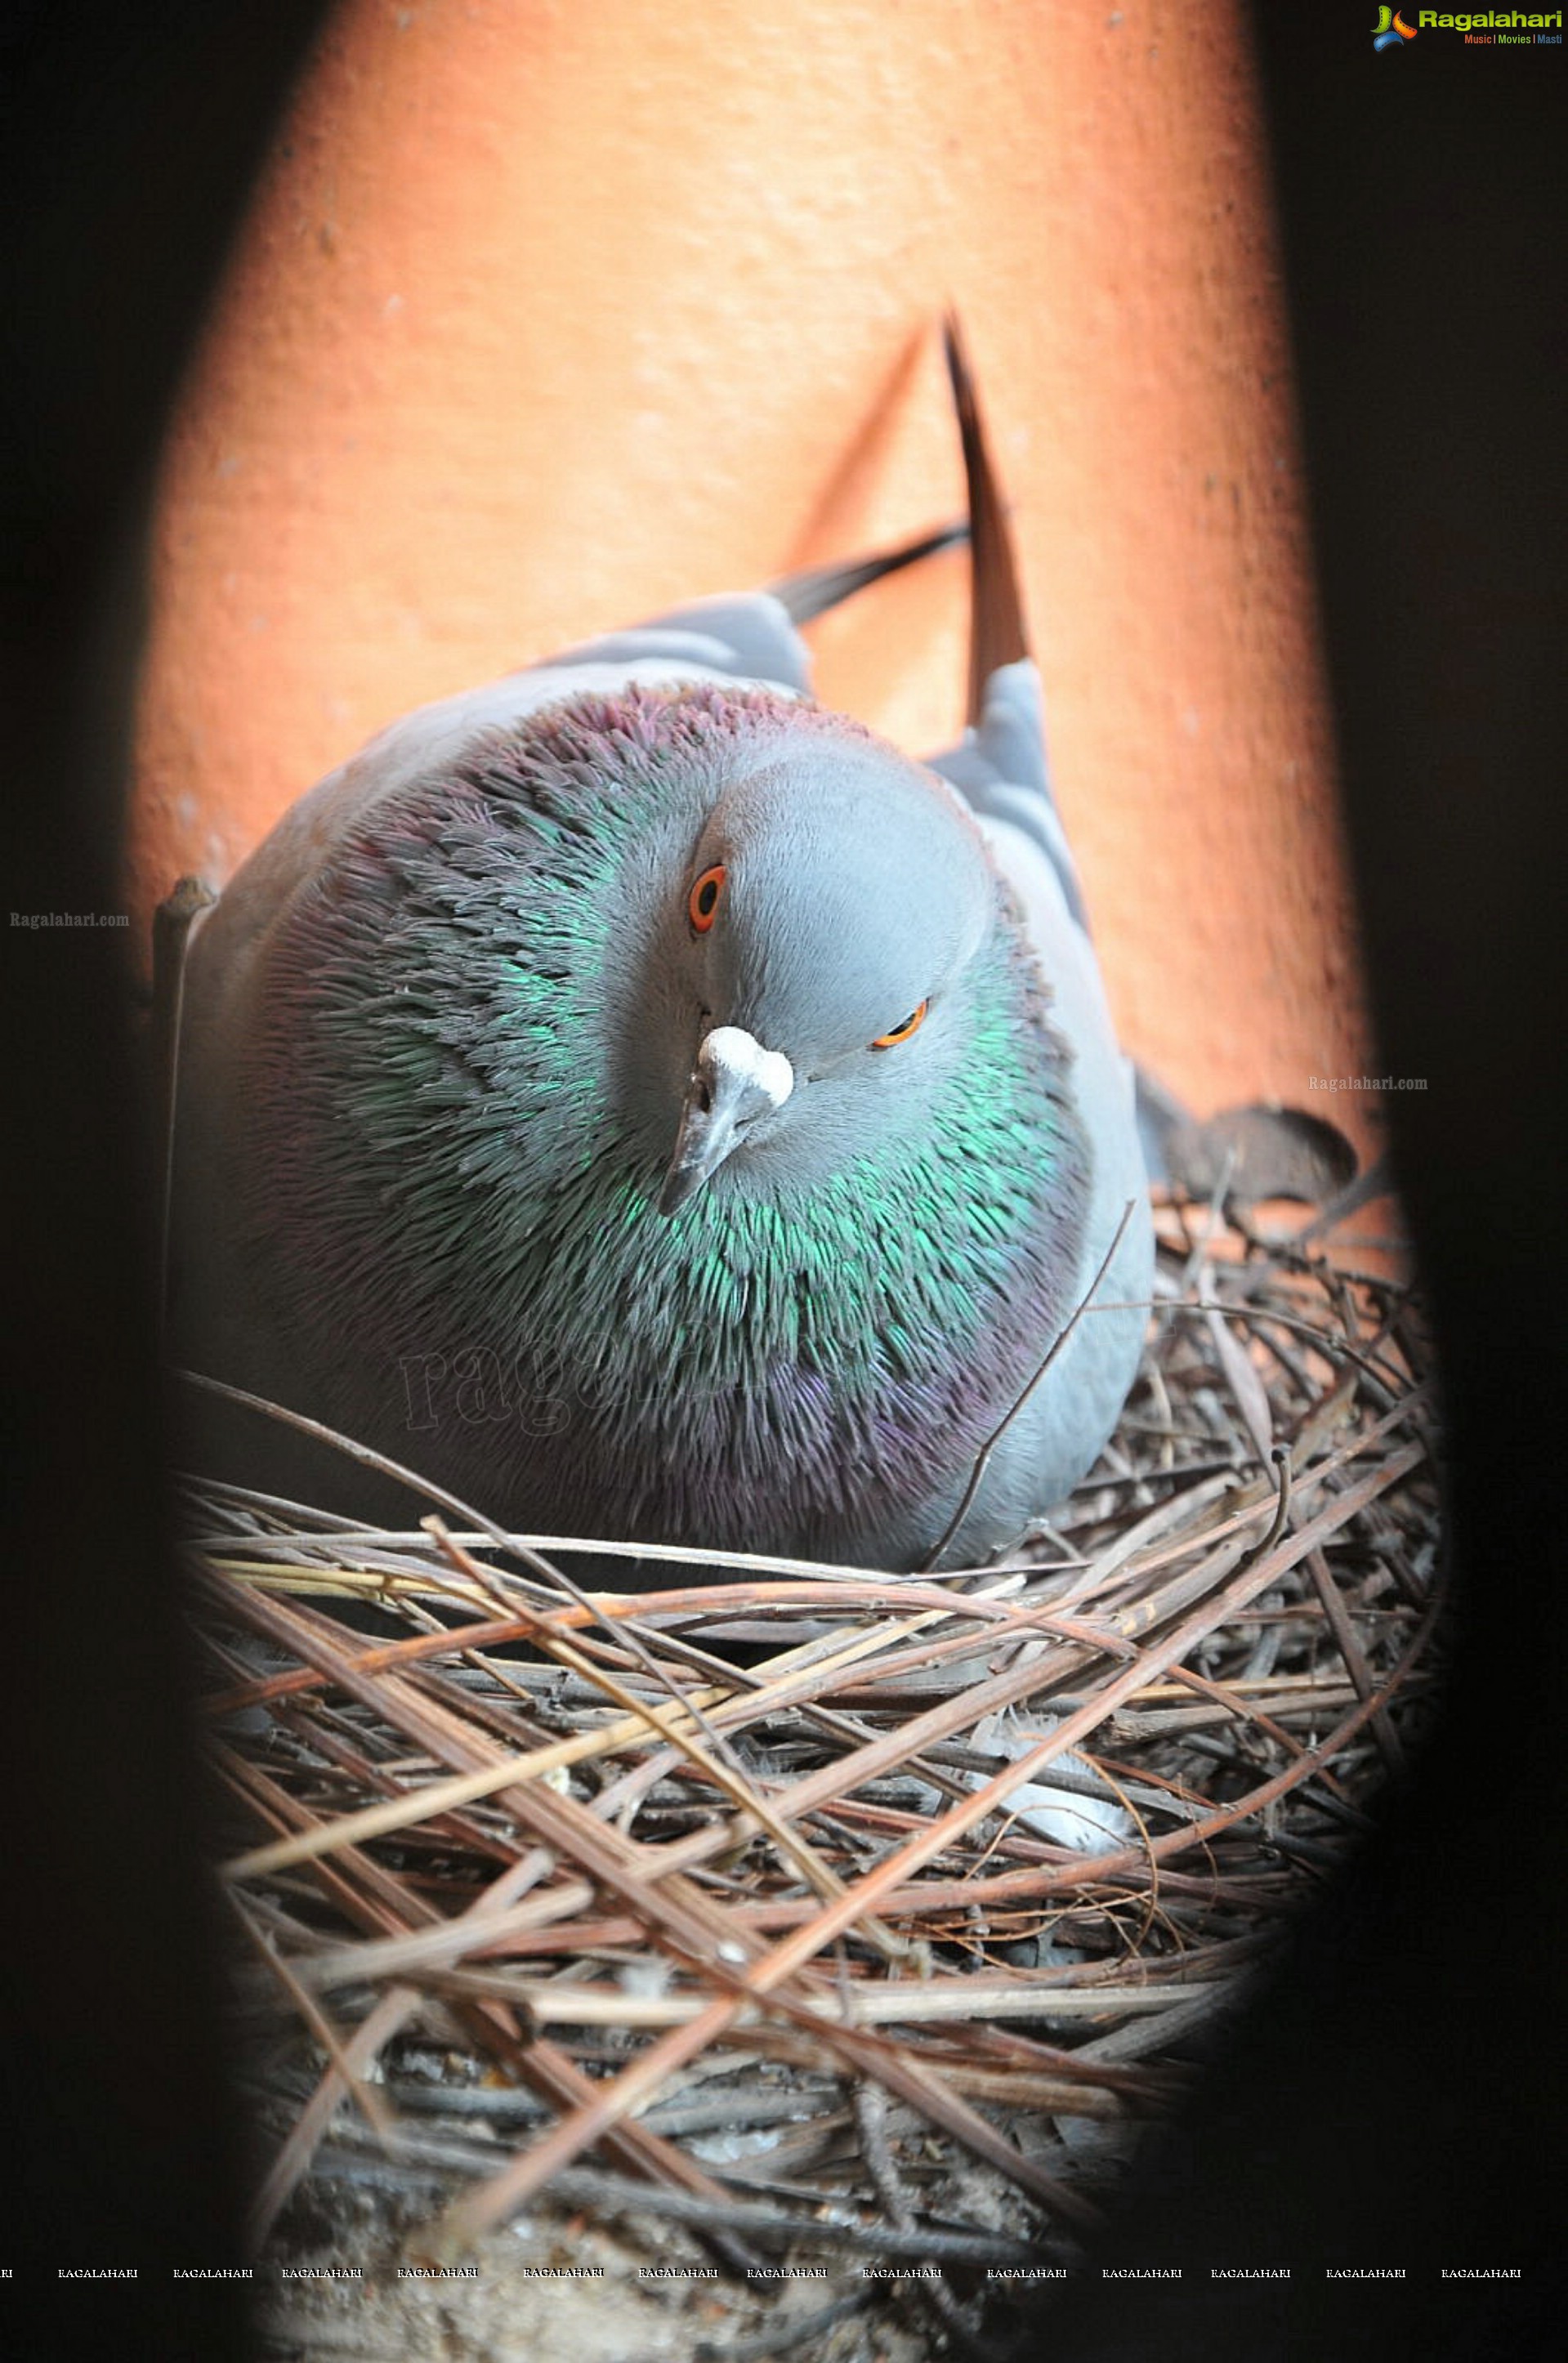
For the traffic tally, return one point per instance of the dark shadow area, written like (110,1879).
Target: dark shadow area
(127,141)
(1397,2100)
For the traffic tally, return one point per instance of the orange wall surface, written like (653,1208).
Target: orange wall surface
(550,313)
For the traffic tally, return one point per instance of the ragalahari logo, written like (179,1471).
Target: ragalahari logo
(1392,31)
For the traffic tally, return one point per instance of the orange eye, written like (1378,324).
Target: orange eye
(701,902)
(911,1025)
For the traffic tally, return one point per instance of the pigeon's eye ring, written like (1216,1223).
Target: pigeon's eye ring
(897,1034)
(703,902)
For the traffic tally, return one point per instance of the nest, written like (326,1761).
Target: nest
(794,1917)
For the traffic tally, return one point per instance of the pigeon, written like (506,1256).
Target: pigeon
(652,1107)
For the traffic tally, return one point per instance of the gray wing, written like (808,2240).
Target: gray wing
(1067,1422)
(748,635)
(999,767)
(1000,771)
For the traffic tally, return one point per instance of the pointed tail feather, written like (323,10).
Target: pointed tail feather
(997,635)
(814,589)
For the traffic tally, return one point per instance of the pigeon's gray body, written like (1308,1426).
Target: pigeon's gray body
(439,1034)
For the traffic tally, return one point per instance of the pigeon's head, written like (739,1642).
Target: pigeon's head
(830,914)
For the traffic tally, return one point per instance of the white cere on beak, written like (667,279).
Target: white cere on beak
(751,1072)
(734,1083)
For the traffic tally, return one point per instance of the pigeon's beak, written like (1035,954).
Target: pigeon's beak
(735,1081)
